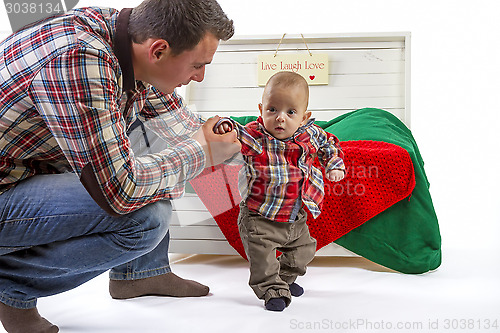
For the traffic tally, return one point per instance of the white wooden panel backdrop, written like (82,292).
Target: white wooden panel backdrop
(365,70)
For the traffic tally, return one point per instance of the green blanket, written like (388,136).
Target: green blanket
(406,236)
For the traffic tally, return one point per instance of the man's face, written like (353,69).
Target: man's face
(172,71)
(283,110)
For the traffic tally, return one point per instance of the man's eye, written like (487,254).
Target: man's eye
(199,66)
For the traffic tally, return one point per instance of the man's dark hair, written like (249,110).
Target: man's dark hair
(182,23)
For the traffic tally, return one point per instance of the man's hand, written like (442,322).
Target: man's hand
(217,147)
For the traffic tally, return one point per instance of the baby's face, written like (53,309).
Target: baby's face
(283,110)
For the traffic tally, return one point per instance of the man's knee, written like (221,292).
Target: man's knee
(152,223)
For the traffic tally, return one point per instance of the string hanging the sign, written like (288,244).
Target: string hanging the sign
(283,37)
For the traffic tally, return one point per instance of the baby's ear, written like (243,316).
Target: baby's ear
(307,115)
(260,108)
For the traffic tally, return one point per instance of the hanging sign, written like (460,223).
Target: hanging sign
(313,67)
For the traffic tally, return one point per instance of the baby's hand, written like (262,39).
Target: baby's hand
(335,175)
(223,126)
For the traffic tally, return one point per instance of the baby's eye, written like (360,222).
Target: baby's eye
(292,112)
(272,109)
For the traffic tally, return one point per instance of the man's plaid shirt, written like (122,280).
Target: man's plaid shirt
(67,96)
(278,172)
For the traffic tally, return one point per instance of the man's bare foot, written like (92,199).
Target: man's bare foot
(162,285)
(24,321)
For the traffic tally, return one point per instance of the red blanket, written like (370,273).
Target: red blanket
(378,174)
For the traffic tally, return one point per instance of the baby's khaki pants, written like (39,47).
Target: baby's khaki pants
(270,277)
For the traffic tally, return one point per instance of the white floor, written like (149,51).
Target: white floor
(342,295)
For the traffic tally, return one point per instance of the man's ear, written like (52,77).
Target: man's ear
(159,48)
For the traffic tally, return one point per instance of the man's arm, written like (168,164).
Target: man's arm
(76,95)
(168,117)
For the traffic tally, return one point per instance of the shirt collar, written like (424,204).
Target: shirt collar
(123,50)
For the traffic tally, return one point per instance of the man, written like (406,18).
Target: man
(74,199)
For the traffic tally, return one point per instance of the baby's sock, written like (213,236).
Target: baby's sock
(276,304)
(296,290)
(24,320)
(162,285)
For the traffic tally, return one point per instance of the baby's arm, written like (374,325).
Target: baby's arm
(331,156)
(246,134)
(223,126)
(249,145)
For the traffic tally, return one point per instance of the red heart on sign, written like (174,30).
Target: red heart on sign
(311,77)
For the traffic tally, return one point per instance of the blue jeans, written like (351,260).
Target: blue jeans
(54,237)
